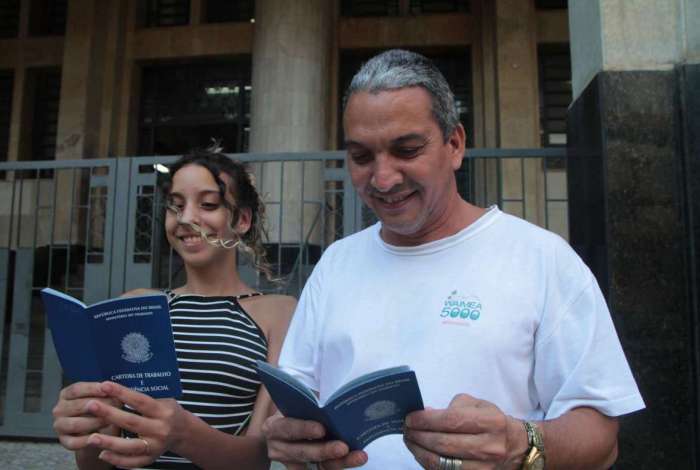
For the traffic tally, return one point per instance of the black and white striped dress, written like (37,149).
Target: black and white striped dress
(217,343)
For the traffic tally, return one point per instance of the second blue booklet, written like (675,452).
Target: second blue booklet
(367,408)
(127,340)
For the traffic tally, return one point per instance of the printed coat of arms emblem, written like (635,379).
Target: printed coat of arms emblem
(381,409)
(136,348)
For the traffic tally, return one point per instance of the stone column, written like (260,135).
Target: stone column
(79,114)
(115,69)
(292,53)
(485,102)
(19,147)
(81,79)
(634,195)
(518,106)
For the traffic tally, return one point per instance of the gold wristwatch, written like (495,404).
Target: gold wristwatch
(534,458)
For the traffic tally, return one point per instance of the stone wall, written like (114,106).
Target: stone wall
(633,179)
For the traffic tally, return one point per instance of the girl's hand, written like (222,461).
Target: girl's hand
(73,423)
(161,426)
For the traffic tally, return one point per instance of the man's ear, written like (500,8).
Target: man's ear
(245,220)
(457,142)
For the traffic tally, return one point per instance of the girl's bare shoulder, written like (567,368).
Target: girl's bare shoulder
(273,304)
(272,312)
(140,291)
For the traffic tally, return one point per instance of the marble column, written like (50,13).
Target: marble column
(634,195)
(292,52)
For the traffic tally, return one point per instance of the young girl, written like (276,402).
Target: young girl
(221,327)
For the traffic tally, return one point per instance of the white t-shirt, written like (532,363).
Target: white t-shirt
(503,310)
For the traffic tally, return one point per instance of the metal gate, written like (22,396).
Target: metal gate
(93,229)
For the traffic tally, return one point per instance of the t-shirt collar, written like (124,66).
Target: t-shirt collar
(490,216)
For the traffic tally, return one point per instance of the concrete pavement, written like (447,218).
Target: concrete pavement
(30,455)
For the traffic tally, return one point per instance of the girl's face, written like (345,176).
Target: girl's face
(194,199)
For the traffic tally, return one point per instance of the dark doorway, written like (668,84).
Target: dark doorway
(186,106)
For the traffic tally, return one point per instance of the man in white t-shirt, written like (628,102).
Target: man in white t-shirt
(510,338)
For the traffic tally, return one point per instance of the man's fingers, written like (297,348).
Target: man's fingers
(296,442)
(469,429)
(464,399)
(296,466)
(290,429)
(430,420)
(353,459)
(296,452)
(464,415)
(425,458)
(482,447)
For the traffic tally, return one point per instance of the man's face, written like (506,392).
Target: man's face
(400,163)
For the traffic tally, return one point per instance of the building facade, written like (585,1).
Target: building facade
(146,77)
(82,79)
(88,79)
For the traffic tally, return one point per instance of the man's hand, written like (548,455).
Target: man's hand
(296,442)
(473,431)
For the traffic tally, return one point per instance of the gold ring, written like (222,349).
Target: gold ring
(147,450)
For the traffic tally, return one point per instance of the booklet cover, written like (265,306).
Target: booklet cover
(127,340)
(367,408)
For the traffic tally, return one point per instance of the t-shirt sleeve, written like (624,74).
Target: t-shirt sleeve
(300,350)
(578,357)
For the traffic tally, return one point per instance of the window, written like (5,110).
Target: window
(168,13)
(6,89)
(555,92)
(222,11)
(400,8)
(422,7)
(186,106)
(47,94)
(369,8)
(9,18)
(48,17)
(551,4)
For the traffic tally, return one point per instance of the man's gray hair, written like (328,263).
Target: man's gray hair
(396,69)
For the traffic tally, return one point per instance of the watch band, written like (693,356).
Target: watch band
(534,436)
(534,457)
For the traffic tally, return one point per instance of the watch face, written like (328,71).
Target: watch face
(534,460)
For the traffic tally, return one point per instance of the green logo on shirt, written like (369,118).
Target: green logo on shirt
(460,307)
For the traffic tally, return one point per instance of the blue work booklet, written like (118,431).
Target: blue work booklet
(127,340)
(371,406)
